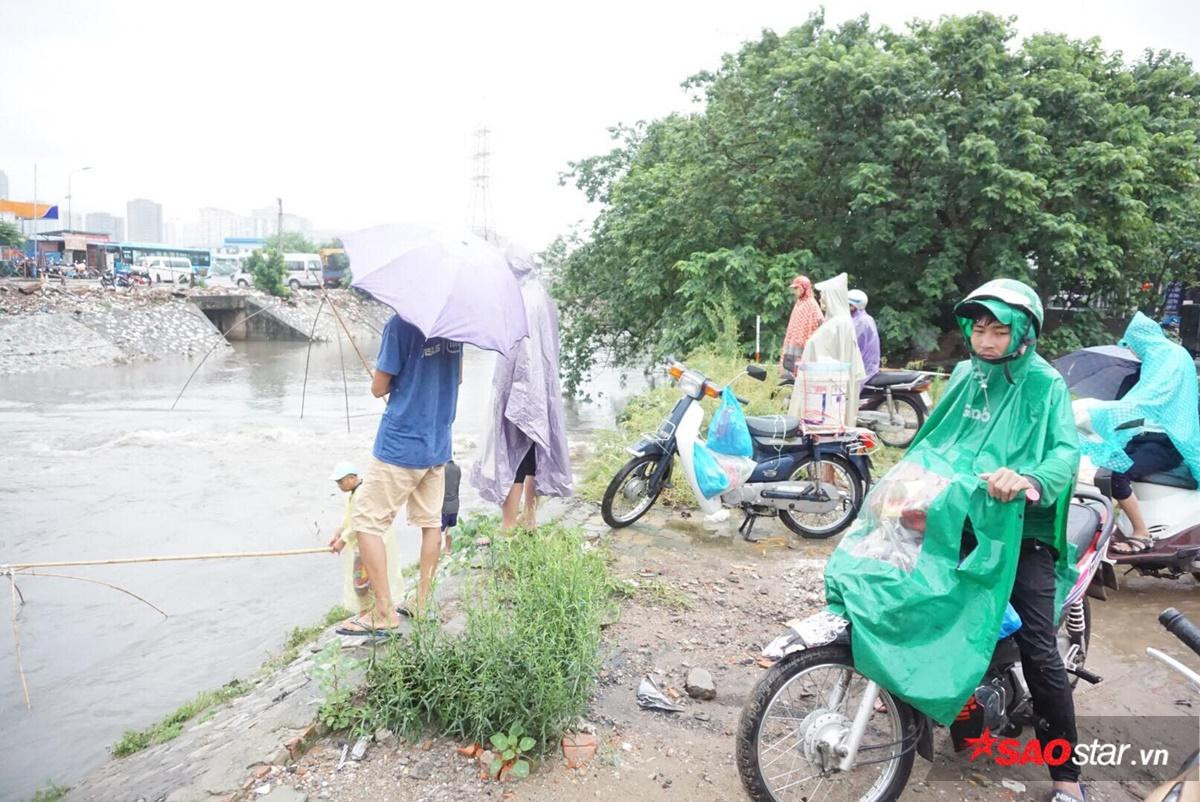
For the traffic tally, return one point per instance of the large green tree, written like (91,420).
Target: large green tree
(10,235)
(921,162)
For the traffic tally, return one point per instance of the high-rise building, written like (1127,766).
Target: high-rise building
(105,223)
(218,224)
(145,220)
(266,222)
(3,186)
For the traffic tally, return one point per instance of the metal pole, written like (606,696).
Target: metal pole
(279,234)
(37,252)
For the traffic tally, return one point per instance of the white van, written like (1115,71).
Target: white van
(303,270)
(167,268)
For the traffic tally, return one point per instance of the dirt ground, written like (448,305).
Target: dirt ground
(712,601)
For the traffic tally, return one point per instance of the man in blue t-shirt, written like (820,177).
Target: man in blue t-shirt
(420,377)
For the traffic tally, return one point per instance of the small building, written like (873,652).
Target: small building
(69,247)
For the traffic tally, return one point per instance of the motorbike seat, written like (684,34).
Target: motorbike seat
(1083,521)
(774,426)
(887,378)
(1179,477)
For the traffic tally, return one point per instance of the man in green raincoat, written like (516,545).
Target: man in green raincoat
(953,531)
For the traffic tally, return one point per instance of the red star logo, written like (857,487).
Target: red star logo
(981,745)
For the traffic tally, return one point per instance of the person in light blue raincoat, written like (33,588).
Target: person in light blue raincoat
(1165,399)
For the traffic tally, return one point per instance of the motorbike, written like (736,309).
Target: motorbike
(1184,787)
(892,403)
(1170,503)
(814,482)
(813,721)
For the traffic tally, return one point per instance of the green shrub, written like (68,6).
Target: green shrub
(269,270)
(528,655)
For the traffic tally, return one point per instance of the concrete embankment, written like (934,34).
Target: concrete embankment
(84,325)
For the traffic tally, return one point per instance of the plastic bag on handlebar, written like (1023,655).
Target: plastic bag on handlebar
(728,432)
(719,473)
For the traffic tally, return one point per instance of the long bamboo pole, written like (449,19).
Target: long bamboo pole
(12,567)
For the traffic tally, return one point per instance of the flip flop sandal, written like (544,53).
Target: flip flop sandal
(404,610)
(1139,545)
(361,629)
(1063,796)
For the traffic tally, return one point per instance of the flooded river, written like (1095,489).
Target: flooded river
(97,467)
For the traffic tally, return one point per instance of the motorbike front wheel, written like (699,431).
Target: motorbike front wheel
(629,494)
(794,726)
(837,475)
(902,411)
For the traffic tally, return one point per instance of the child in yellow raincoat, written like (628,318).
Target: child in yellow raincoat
(356,587)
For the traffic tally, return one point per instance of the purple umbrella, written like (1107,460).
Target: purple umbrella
(448,285)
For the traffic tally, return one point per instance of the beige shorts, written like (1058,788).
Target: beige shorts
(387,488)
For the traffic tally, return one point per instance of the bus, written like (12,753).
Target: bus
(132,253)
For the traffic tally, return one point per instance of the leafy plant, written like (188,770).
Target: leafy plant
(528,651)
(332,669)
(510,750)
(268,269)
(52,792)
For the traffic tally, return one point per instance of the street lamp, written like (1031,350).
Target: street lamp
(71,197)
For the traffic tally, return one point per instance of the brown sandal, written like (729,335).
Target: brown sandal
(1132,546)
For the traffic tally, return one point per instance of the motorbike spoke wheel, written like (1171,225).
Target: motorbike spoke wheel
(796,721)
(836,476)
(629,494)
(900,411)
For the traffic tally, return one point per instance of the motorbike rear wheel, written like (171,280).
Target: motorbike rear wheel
(844,477)
(798,713)
(904,411)
(631,484)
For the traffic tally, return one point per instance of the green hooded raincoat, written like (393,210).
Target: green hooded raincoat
(924,621)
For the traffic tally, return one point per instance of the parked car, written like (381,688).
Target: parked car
(303,270)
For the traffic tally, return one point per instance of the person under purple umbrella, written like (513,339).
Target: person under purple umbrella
(525,454)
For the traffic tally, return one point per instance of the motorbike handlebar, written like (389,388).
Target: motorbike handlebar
(1178,625)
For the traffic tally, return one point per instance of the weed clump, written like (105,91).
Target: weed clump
(528,655)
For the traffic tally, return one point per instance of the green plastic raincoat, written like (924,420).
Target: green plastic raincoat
(925,612)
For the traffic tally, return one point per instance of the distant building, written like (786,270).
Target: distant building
(3,186)
(218,225)
(105,223)
(266,222)
(145,220)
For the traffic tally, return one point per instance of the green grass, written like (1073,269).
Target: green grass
(204,703)
(51,793)
(528,654)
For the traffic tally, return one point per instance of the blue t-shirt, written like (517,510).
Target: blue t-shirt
(415,430)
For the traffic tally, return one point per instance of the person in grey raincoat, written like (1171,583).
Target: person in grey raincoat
(525,454)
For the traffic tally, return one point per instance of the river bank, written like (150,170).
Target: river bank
(83,324)
(697,599)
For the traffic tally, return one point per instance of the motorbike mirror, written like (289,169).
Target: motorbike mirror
(1136,423)
(757,372)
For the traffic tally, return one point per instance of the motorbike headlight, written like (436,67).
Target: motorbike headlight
(691,383)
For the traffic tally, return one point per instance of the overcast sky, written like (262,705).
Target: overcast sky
(363,112)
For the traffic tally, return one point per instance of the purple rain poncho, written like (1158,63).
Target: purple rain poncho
(868,341)
(527,405)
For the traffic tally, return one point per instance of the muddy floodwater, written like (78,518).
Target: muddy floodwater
(97,467)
